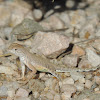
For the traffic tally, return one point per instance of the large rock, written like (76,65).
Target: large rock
(92,57)
(50,44)
(5,15)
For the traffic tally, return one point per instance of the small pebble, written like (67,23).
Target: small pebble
(35,94)
(97,79)
(76,75)
(49,44)
(88,76)
(66,96)
(57,97)
(82,80)
(96,89)
(49,96)
(86,99)
(22,98)
(37,14)
(11,93)
(79,86)
(92,57)
(2,43)
(22,93)
(68,81)
(88,84)
(78,51)
(70,60)
(68,88)
(70,4)
(48,83)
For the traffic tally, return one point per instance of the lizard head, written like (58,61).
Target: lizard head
(15,49)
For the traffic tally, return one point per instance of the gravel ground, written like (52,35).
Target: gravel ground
(66,32)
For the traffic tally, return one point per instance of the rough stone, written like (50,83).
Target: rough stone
(88,84)
(92,57)
(5,15)
(87,31)
(84,63)
(57,97)
(68,81)
(22,93)
(76,75)
(77,18)
(97,79)
(49,44)
(68,88)
(53,22)
(37,14)
(70,60)
(96,44)
(78,51)
(79,86)
(66,96)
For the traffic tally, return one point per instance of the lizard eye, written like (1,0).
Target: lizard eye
(15,49)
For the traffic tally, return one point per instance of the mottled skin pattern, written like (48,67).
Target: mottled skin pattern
(38,63)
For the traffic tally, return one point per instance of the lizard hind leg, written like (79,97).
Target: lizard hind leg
(33,73)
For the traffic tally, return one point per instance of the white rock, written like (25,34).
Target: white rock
(7,86)
(96,44)
(66,96)
(2,43)
(96,89)
(50,96)
(98,33)
(3,90)
(5,33)
(57,97)
(48,83)
(70,60)
(88,84)
(76,75)
(82,80)
(1,52)
(79,86)
(86,99)
(11,93)
(49,44)
(97,79)
(65,18)
(5,15)
(53,22)
(84,63)
(18,9)
(88,76)
(68,88)
(87,31)
(30,15)
(22,98)
(41,75)
(22,93)
(7,70)
(92,57)
(68,81)
(37,14)
(36,94)
(77,18)
(70,3)
(48,13)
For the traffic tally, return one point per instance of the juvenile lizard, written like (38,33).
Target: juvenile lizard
(38,63)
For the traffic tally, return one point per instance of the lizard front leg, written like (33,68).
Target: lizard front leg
(31,75)
(23,70)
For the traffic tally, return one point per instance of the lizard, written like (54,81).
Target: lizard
(38,63)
